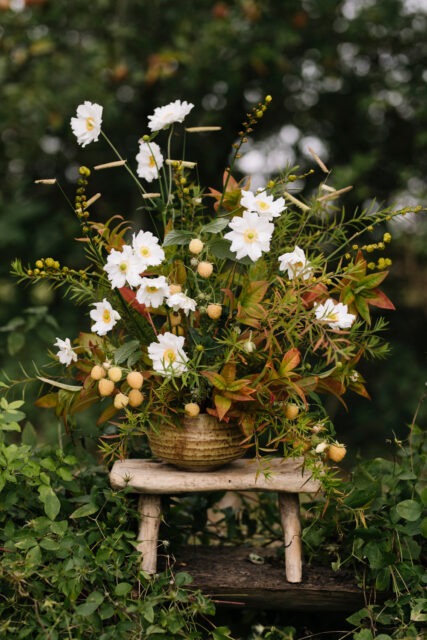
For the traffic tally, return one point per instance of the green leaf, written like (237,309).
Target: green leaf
(60,385)
(29,435)
(15,342)
(215,226)
(85,510)
(221,633)
(182,579)
(106,611)
(177,237)
(365,634)
(34,555)
(52,505)
(220,248)
(90,605)
(122,589)
(357,617)
(424,527)
(126,350)
(148,612)
(409,510)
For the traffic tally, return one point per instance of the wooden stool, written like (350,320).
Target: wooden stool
(152,478)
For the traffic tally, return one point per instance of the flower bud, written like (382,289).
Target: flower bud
(175,288)
(192,409)
(321,448)
(105,387)
(205,269)
(249,346)
(115,374)
(214,311)
(121,401)
(135,380)
(97,372)
(291,411)
(135,397)
(196,246)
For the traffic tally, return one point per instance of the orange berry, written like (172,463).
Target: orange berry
(121,401)
(205,269)
(214,311)
(192,409)
(115,374)
(135,379)
(97,372)
(291,411)
(175,288)
(105,387)
(135,398)
(336,452)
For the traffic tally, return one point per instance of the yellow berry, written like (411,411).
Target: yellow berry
(214,311)
(336,452)
(291,411)
(347,256)
(115,374)
(268,98)
(355,247)
(121,401)
(36,272)
(259,114)
(270,184)
(97,372)
(205,269)
(370,228)
(371,265)
(196,246)
(192,409)
(135,398)
(49,262)
(387,237)
(135,379)
(175,288)
(39,264)
(381,245)
(178,330)
(105,387)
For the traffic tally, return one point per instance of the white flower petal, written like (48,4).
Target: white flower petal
(163,117)
(87,125)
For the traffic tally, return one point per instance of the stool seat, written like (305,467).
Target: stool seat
(152,478)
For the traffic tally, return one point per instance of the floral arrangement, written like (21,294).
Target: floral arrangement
(246,305)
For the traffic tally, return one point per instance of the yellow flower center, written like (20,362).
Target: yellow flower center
(332,317)
(151,289)
(263,205)
(169,356)
(106,316)
(123,266)
(90,124)
(145,252)
(298,265)
(152,162)
(250,235)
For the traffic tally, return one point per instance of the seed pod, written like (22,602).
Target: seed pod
(214,311)
(192,409)
(121,401)
(97,372)
(291,411)
(105,387)
(115,374)
(196,246)
(205,269)
(135,379)
(135,398)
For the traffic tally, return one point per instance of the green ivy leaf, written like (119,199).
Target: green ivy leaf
(409,510)
(50,501)
(215,226)
(122,589)
(85,510)
(90,605)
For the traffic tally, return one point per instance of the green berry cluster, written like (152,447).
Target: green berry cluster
(80,199)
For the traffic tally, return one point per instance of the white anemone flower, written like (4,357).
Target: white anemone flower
(87,126)
(262,204)
(335,314)
(180,301)
(123,266)
(167,354)
(147,250)
(296,264)
(163,117)
(105,317)
(150,161)
(153,291)
(250,235)
(66,353)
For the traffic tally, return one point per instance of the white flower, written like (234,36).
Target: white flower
(296,264)
(147,250)
(87,126)
(150,161)
(123,266)
(262,204)
(66,353)
(251,235)
(153,291)
(167,354)
(335,314)
(105,317)
(321,447)
(167,115)
(180,301)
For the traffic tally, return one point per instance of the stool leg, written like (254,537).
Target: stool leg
(291,525)
(150,512)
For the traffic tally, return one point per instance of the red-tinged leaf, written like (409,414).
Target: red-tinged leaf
(317,291)
(48,401)
(215,379)
(230,295)
(212,412)
(130,297)
(229,373)
(347,295)
(222,405)
(319,343)
(83,401)
(362,308)
(253,294)
(291,359)
(81,239)
(372,281)
(309,383)
(360,389)
(83,365)
(247,425)
(379,299)
(333,386)
(238,397)
(108,413)
(238,384)
(361,262)
(90,341)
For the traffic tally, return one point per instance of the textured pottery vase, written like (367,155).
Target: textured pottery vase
(199,444)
